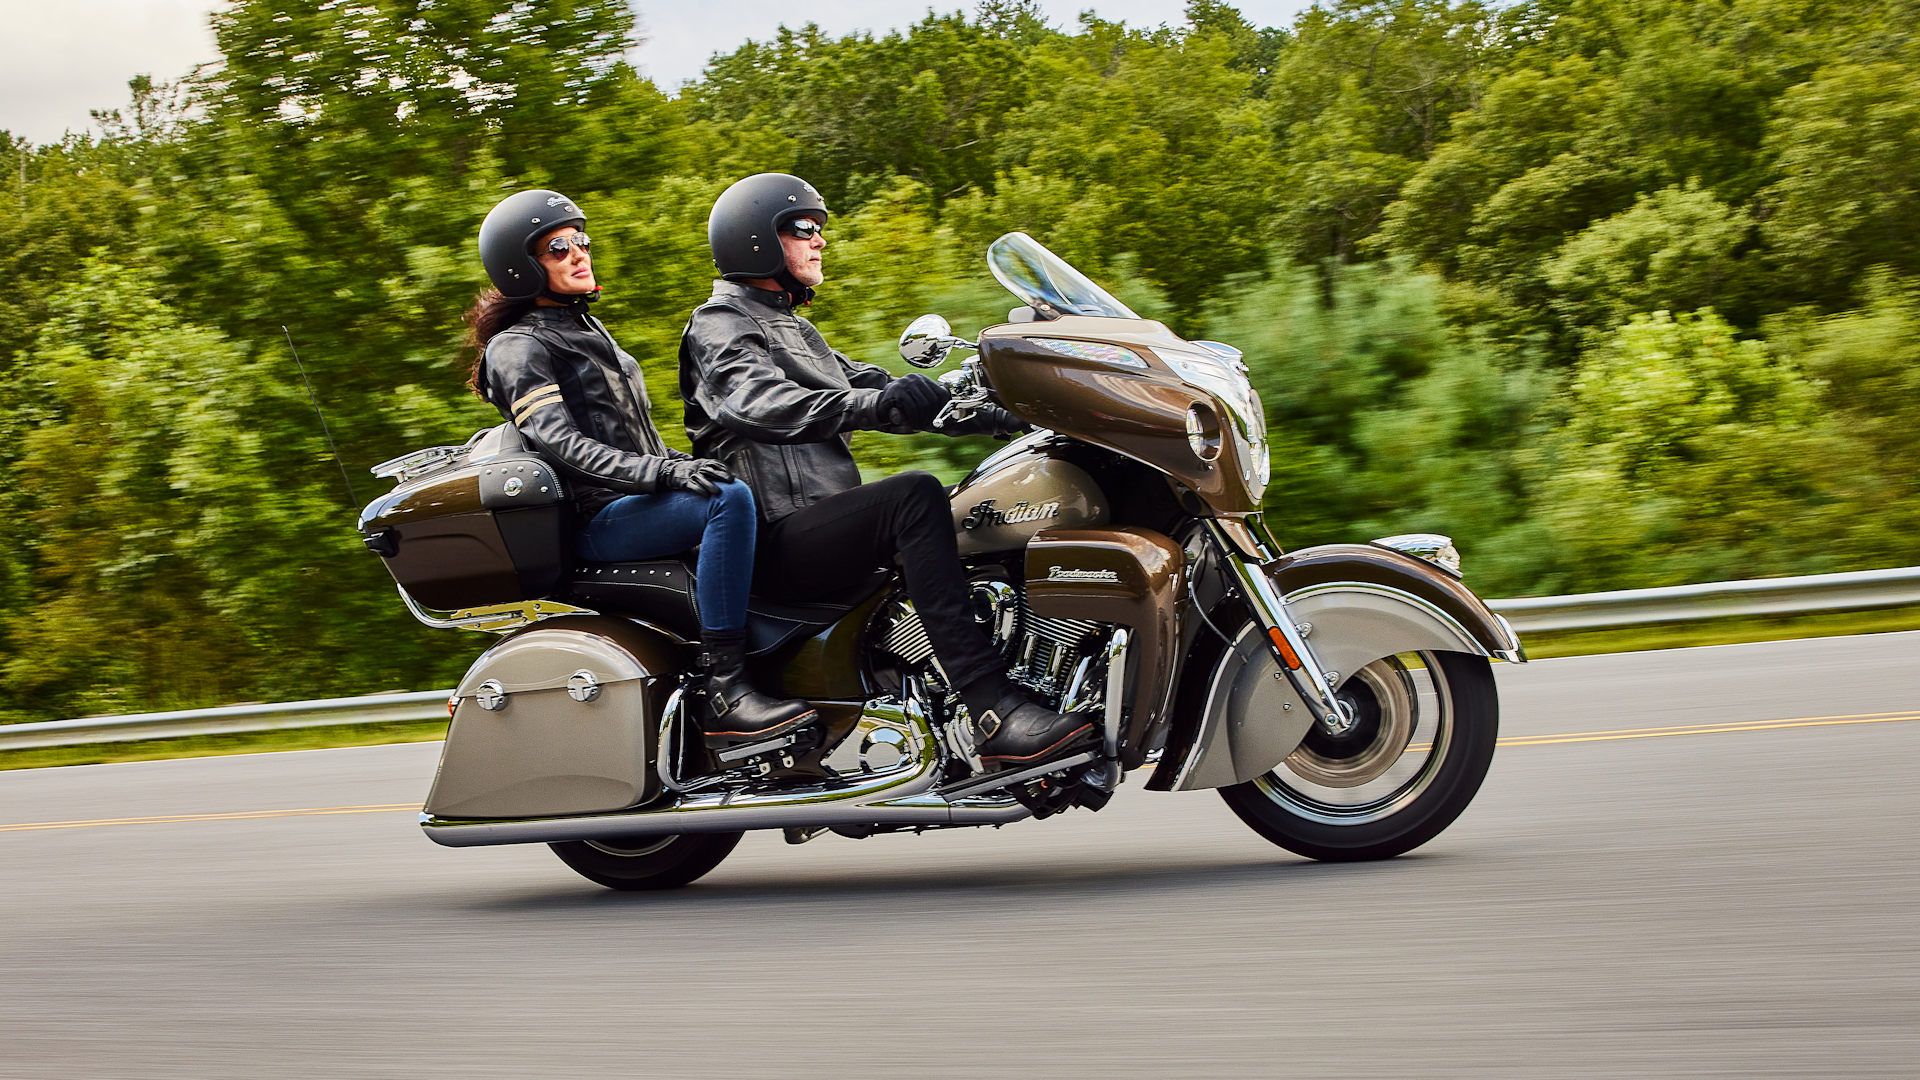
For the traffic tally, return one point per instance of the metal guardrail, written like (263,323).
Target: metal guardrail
(1586,611)
(1714,599)
(273,716)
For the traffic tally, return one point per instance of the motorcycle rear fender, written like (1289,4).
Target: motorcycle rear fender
(577,705)
(1236,715)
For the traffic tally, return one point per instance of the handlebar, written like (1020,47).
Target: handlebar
(969,392)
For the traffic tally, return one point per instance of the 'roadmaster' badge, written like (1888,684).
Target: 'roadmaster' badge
(983,513)
(1061,573)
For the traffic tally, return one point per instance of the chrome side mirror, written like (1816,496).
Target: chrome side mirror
(928,340)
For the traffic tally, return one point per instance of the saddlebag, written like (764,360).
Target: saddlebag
(471,526)
(560,718)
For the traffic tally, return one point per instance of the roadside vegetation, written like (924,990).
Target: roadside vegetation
(1619,294)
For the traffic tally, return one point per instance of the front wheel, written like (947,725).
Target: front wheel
(1424,726)
(662,862)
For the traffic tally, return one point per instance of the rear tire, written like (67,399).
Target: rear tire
(648,863)
(1383,792)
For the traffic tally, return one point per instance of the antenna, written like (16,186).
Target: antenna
(315,398)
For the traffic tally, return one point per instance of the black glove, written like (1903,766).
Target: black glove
(913,400)
(988,420)
(702,476)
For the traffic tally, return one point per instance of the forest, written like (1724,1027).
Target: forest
(1618,293)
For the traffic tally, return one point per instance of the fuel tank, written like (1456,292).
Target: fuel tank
(1019,491)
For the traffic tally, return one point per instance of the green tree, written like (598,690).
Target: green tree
(187,553)
(1678,249)
(1681,453)
(1848,193)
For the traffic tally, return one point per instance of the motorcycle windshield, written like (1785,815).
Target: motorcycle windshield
(1046,282)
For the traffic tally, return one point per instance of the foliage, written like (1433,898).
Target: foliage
(1617,293)
(1682,453)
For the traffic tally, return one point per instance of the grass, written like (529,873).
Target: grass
(1539,646)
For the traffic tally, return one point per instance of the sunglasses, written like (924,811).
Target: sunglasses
(560,245)
(803,228)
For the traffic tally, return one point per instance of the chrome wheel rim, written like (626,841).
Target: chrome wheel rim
(1391,756)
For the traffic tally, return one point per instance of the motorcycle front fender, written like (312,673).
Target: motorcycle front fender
(1236,716)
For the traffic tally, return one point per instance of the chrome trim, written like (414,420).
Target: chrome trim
(1310,680)
(1436,548)
(582,686)
(490,695)
(1116,690)
(497,619)
(666,744)
(920,811)
(928,339)
(1515,653)
(1076,695)
(419,463)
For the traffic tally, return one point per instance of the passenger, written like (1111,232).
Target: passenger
(766,395)
(555,373)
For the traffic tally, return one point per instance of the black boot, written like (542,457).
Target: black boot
(735,713)
(1018,731)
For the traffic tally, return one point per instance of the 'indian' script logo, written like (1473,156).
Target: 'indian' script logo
(985,514)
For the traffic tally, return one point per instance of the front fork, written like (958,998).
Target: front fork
(1310,680)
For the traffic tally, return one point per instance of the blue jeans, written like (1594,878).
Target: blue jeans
(635,527)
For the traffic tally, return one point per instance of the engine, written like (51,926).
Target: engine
(1054,658)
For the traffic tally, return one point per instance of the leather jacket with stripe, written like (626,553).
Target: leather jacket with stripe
(578,398)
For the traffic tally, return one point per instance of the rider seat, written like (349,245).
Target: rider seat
(660,593)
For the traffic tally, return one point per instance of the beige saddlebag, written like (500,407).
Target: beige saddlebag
(558,719)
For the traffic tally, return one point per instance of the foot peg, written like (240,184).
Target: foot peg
(763,758)
(748,750)
(981,785)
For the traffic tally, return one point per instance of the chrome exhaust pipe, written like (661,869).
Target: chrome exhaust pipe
(716,813)
(897,797)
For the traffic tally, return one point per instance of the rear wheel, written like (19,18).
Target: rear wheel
(654,862)
(1424,726)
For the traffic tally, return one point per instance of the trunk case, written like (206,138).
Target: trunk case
(472,526)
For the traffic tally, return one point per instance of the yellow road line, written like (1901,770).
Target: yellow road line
(1616,735)
(238,815)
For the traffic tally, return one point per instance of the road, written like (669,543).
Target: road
(1740,902)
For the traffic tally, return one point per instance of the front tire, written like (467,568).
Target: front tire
(1425,729)
(650,863)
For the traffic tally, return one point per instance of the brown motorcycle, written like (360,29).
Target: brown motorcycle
(1340,697)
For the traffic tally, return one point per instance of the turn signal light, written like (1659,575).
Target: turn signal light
(1287,655)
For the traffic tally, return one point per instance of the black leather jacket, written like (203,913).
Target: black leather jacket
(579,400)
(766,395)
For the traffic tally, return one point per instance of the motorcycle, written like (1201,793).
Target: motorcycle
(1340,697)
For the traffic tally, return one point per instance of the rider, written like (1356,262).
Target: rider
(767,395)
(555,373)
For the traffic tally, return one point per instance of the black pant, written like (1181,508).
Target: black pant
(838,542)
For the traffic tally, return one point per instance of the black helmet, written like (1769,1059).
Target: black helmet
(509,232)
(744,228)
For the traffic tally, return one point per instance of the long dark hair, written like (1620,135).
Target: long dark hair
(492,312)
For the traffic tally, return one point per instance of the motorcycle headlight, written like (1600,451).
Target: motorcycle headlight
(1217,369)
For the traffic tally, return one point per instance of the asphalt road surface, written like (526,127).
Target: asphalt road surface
(1734,893)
